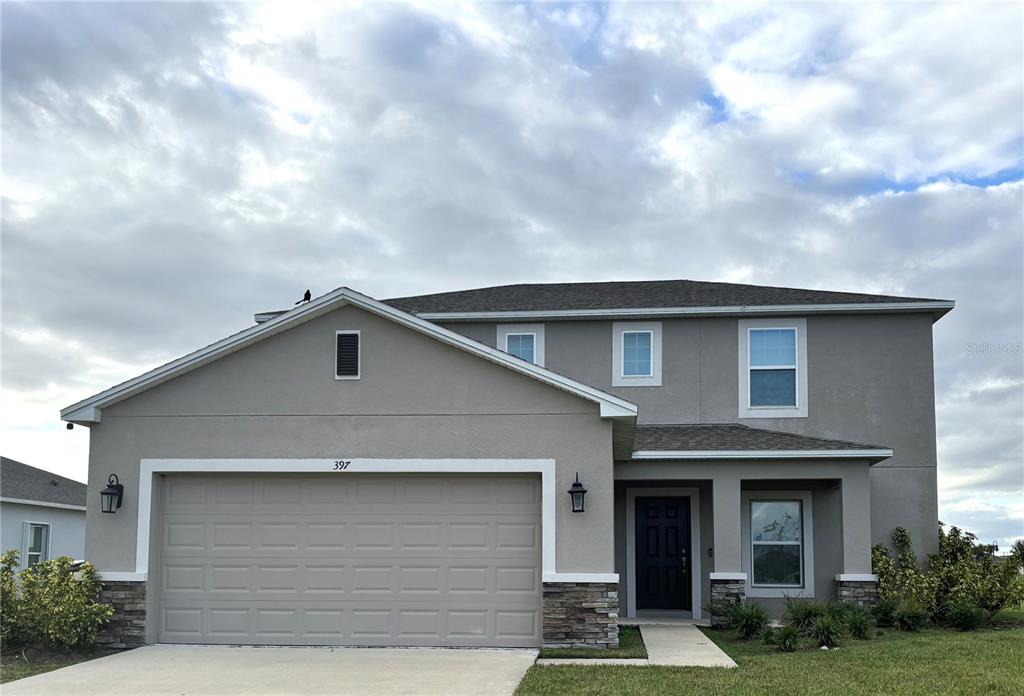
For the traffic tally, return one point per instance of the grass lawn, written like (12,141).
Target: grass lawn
(18,663)
(631,646)
(931,661)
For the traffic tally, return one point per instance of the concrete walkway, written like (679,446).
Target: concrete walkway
(226,671)
(682,646)
(671,645)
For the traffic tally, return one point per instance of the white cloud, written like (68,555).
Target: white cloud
(261,149)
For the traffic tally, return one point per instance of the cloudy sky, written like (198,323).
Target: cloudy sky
(170,169)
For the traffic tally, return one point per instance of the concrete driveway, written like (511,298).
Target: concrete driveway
(186,669)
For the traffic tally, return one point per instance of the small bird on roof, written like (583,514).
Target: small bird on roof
(305,298)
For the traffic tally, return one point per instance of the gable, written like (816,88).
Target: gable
(89,410)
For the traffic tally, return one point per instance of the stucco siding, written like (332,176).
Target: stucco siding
(417,398)
(870,379)
(67,528)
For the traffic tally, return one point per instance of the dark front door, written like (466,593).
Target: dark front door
(663,557)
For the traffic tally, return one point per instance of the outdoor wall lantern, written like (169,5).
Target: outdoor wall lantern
(576,493)
(110,497)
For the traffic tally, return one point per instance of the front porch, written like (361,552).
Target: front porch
(692,532)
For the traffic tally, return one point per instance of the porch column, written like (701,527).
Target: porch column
(728,581)
(725,494)
(856,583)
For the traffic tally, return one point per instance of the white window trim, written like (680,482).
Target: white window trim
(26,535)
(359,355)
(806,535)
(745,409)
(536,330)
(695,548)
(545,467)
(619,329)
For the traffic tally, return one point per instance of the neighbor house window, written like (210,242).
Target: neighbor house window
(773,368)
(347,359)
(524,341)
(636,354)
(776,543)
(521,345)
(38,546)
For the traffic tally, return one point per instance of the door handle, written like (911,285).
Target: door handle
(683,561)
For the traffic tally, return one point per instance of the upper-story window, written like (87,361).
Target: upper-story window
(636,354)
(773,368)
(524,341)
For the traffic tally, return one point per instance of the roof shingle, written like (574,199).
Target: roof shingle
(705,437)
(24,482)
(628,295)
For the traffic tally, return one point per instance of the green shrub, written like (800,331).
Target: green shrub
(785,638)
(860,623)
(803,613)
(884,613)
(965,615)
(747,619)
(826,632)
(965,570)
(58,606)
(910,616)
(962,570)
(9,600)
(839,611)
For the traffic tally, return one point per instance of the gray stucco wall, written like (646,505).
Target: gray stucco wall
(870,379)
(67,528)
(417,398)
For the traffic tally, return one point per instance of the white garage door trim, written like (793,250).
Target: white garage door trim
(544,467)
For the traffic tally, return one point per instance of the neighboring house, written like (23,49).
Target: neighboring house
(359,472)
(41,514)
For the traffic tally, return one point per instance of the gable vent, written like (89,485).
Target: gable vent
(347,364)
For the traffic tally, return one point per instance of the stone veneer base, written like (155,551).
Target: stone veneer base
(127,627)
(724,593)
(860,592)
(581,615)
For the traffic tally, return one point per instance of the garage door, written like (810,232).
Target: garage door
(346,559)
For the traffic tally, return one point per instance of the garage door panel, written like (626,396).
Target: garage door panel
(352,536)
(412,579)
(363,624)
(351,560)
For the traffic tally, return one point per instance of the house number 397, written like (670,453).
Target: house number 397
(341,464)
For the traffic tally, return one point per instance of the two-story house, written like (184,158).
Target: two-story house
(513,466)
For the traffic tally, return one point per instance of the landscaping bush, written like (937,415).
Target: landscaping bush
(962,570)
(826,631)
(748,619)
(884,613)
(9,602)
(965,615)
(785,638)
(965,570)
(839,611)
(860,624)
(58,606)
(803,613)
(910,616)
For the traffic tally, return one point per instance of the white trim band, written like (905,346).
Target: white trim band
(864,307)
(581,577)
(728,576)
(41,503)
(544,467)
(856,577)
(763,454)
(121,576)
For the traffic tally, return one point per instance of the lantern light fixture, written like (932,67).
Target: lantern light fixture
(112,495)
(576,494)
